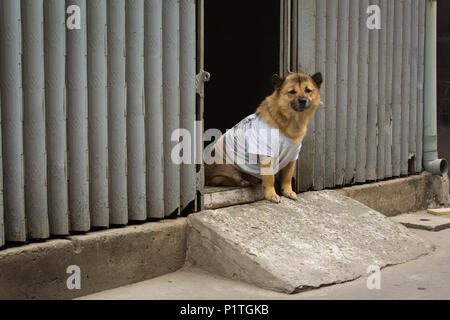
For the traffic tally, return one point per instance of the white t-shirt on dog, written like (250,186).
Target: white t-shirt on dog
(252,137)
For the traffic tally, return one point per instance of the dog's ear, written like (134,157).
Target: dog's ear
(277,81)
(317,78)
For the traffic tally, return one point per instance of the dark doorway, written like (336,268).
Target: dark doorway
(443,75)
(242,40)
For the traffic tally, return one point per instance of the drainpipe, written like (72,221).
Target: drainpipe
(431,162)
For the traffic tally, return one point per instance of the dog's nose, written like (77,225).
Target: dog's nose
(302,101)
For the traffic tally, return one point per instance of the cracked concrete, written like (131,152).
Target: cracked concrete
(321,239)
(427,277)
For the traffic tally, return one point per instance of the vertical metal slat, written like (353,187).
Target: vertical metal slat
(295,6)
(200,64)
(388,88)
(372,106)
(350,161)
(154,108)
(342,87)
(396,89)
(405,87)
(187,97)
(77,126)
(55,107)
(306,59)
(97,96)
(282,31)
(330,91)
(363,83)
(171,100)
(135,110)
(98,113)
(319,117)
(36,209)
(413,88)
(287,35)
(117,100)
(381,92)
(420,84)
(12,109)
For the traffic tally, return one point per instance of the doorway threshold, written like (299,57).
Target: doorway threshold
(220,197)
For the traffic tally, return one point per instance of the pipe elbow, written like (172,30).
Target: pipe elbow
(437,166)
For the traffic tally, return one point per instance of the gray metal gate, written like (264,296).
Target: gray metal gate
(370,125)
(88,114)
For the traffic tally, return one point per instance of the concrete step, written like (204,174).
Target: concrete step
(423,278)
(321,239)
(423,220)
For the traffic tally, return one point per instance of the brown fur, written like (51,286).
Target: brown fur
(277,111)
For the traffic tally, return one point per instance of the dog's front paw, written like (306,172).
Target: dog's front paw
(291,195)
(273,198)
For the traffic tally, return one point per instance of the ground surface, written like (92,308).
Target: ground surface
(427,277)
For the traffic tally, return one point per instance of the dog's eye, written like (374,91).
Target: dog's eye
(308,90)
(292,91)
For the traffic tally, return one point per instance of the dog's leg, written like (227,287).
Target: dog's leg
(286,181)
(226,182)
(268,179)
(223,175)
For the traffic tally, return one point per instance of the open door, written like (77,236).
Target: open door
(242,40)
(200,79)
(241,44)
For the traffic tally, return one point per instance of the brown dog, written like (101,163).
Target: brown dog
(286,112)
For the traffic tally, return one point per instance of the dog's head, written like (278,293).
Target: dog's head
(298,92)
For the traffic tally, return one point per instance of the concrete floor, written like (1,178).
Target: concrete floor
(425,278)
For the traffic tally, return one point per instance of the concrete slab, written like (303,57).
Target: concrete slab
(390,197)
(107,259)
(423,220)
(323,238)
(402,195)
(423,278)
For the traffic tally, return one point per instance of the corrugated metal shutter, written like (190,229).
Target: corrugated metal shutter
(88,114)
(370,124)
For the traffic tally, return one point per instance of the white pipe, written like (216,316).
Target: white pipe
(431,162)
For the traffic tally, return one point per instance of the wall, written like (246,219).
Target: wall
(370,125)
(88,113)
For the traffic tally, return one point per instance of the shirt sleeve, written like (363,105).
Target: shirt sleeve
(297,152)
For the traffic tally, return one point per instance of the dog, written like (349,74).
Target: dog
(285,115)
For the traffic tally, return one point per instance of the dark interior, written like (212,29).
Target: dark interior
(443,75)
(242,41)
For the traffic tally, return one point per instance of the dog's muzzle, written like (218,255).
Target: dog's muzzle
(301,104)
